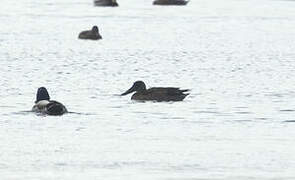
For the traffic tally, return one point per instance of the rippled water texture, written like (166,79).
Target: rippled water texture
(236,56)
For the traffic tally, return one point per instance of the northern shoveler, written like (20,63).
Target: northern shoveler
(155,93)
(44,105)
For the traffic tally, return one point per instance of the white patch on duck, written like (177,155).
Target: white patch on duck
(40,106)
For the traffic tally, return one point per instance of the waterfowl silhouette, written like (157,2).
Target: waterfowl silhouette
(170,2)
(92,34)
(112,3)
(44,105)
(155,93)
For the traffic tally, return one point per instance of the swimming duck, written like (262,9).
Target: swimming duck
(44,105)
(155,93)
(105,3)
(92,34)
(170,2)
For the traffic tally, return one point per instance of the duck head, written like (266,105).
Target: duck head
(42,94)
(138,86)
(95,29)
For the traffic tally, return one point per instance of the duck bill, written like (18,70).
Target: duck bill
(128,91)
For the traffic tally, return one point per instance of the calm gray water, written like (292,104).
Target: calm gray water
(236,56)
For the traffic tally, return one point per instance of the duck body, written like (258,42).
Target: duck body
(160,94)
(49,107)
(44,105)
(112,3)
(156,93)
(170,2)
(92,34)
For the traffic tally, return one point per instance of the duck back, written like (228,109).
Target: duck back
(55,108)
(170,2)
(161,94)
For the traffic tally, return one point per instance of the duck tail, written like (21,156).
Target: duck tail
(185,90)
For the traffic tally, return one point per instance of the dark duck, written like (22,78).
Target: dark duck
(112,3)
(170,2)
(44,105)
(156,93)
(92,34)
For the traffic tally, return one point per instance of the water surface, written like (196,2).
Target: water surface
(237,57)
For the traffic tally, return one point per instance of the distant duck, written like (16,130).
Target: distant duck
(92,34)
(170,2)
(112,3)
(44,105)
(155,93)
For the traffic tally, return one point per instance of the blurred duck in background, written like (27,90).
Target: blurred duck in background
(170,2)
(92,34)
(112,3)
